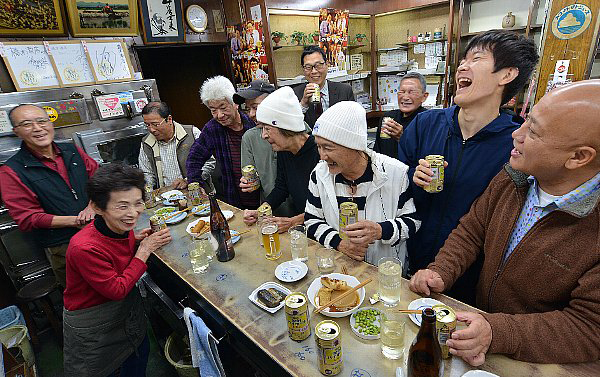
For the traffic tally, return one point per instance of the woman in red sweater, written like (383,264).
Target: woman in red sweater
(104,321)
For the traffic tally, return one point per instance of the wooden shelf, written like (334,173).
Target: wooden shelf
(408,44)
(516,28)
(297,47)
(356,46)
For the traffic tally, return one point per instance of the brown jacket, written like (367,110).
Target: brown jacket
(544,301)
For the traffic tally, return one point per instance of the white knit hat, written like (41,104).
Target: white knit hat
(344,123)
(281,109)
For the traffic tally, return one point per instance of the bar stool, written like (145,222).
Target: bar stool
(39,291)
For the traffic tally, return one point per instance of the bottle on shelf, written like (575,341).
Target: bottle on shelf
(425,354)
(220,231)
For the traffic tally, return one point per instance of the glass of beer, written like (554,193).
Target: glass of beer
(392,333)
(390,280)
(298,243)
(270,238)
(201,252)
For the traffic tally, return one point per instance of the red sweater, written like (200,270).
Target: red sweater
(100,268)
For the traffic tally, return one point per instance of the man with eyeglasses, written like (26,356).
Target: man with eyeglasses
(165,149)
(412,92)
(314,64)
(43,185)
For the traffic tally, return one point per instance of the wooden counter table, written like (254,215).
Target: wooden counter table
(226,287)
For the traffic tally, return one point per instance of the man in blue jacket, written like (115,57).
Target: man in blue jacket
(474,136)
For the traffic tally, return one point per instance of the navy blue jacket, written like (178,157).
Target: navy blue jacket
(472,164)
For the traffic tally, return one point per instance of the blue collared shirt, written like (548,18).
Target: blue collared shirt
(532,211)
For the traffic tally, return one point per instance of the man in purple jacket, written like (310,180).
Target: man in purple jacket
(222,137)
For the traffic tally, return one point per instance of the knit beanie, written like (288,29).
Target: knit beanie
(281,109)
(344,123)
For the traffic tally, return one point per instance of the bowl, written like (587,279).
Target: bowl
(377,323)
(314,287)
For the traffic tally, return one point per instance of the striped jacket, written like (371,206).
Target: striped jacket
(388,200)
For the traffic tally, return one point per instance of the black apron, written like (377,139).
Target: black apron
(99,339)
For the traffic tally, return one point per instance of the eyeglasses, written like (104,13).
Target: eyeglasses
(125,207)
(410,92)
(154,125)
(27,125)
(317,66)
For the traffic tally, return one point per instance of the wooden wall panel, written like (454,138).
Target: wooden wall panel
(576,49)
(354,6)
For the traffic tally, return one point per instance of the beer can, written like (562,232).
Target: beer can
(445,325)
(194,194)
(316,96)
(296,313)
(329,347)
(150,197)
(436,164)
(157,223)
(383,135)
(249,172)
(348,215)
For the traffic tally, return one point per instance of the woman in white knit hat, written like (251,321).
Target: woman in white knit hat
(282,121)
(350,172)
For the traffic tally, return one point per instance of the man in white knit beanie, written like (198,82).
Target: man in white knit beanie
(350,172)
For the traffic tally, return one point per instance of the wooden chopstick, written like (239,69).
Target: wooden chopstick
(343,295)
(408,311)
(244,232)
(177,213)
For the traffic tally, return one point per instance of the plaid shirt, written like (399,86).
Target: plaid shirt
(532,212)
(213,142)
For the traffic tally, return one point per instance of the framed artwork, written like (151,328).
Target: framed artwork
(109,60)
(162,21)
(30,18)
(29,65)
(108,17)
(71,63)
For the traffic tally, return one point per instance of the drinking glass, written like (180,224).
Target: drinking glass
(390,280)
(325,260)
(270,237)
(201,252)
(298,243)
(392,333)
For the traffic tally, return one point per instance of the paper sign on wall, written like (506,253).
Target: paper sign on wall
(109,106)
(5,125)
(560,71)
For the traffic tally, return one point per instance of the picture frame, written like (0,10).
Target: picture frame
(45,17)
(71,63)
(91,19)
(29,65)
(162,21)
(109,60)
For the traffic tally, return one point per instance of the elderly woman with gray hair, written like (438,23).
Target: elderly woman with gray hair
(221,137)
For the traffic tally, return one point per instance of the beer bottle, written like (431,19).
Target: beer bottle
(425,354)
(220,231)
(315,101)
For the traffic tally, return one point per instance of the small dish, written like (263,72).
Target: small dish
(176,219)
(479,373)
(168,194)
(420,304)
(291,271)
(228,215)
(201,210)
(235,235)
(314,287)
(165,211)
(268,285)
(377,323)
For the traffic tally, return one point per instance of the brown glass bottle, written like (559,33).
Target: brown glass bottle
(315,102)
(425,354)
(220,231)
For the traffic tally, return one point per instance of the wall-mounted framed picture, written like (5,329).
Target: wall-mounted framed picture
(88,18)
(30,18)
(71,63)
(162,21)
(29,65)
(109,60)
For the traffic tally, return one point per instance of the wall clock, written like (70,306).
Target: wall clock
(196,18)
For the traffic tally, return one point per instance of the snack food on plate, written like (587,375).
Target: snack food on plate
(271,297)
(199,227)
(331,289)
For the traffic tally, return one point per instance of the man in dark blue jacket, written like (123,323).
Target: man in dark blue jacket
(474,136)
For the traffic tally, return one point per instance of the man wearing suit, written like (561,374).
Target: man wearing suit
(314,64)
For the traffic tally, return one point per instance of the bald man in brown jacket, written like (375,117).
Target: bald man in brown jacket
(538,225)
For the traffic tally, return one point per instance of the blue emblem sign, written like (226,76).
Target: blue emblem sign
(571,21)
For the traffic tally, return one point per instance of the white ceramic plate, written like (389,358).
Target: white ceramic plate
(235,235)
(165,211)
(291,271)
(377,323)
(228,215)
(479,373)
(176,218)
(201,210)
(168,194)
(267,285)
(314,287)
(420,304)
